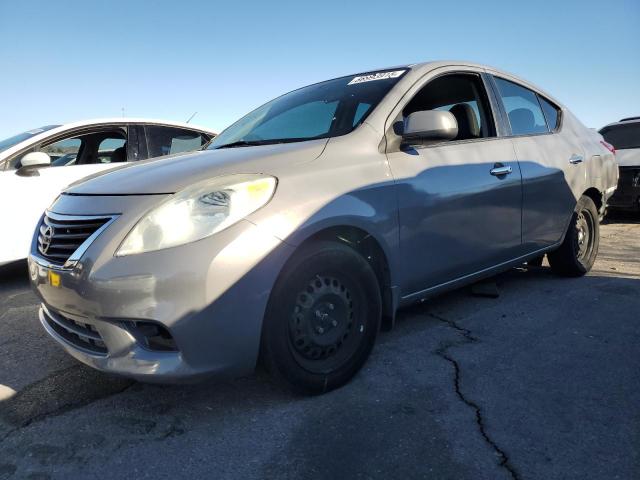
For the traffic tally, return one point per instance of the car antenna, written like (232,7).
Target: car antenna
(191,117)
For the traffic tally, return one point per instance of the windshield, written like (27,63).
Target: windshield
(11,141)
(327,109)
(622,136)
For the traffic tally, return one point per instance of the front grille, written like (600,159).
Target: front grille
(60,236)
(81,335)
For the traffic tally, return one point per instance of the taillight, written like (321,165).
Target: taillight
(608,146)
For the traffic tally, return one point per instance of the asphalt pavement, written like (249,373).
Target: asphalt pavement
(540,383)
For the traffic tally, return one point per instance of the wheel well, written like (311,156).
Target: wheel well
(367,246)
(595,195)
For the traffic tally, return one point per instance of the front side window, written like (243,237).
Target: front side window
(64,152)
(97,147)
(622,136)
(522,107)
(163,140)
(464,96)
(324,110)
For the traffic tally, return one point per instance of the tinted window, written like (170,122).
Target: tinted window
(551,113)
(464,96)
(522,107)
(622,136)
(169,140)
(323,110)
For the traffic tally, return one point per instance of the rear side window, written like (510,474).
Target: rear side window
(64,152)
(622,136)
(522,107)
(551,113)
(169,140)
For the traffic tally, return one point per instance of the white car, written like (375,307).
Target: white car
(35,166)
(625,137)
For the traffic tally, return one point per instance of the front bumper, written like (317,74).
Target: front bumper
(209,296)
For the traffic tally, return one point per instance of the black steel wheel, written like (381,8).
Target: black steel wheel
(323,318)
(321,325)
(578,251)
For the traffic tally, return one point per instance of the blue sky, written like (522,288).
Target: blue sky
(69,60)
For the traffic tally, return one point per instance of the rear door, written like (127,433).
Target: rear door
(457,214)
(551,159)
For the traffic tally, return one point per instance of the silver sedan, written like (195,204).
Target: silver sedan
(302,228)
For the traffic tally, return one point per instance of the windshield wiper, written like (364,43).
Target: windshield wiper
(253,143)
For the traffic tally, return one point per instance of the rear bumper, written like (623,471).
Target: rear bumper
(627,195)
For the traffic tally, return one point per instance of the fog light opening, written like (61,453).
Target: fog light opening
(152,336)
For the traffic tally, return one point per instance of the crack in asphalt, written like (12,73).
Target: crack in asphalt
(442,352)
(56,410)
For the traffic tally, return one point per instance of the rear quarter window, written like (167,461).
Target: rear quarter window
(551,113)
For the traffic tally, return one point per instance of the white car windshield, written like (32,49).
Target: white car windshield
(21,137)
(327,109)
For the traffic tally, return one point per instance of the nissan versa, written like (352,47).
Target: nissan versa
(301,229)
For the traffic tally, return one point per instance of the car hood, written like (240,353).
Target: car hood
(628,157)
(172,174)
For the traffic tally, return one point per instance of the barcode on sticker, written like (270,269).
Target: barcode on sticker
(376,76)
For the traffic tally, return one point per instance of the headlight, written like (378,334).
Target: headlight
(198,212)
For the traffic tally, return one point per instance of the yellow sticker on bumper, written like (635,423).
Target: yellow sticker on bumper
(54,279)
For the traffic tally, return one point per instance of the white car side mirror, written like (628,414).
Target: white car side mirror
(36,159)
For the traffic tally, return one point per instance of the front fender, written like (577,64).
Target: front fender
(372,210)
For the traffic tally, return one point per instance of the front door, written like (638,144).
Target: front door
(23,199)
(459,201)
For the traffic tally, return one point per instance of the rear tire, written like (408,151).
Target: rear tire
(322,320)
(578,251)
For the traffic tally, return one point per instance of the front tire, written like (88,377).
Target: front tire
(578,251)
(322,320)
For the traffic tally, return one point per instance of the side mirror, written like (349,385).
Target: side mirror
(31,162)
(430,125)
(36,159)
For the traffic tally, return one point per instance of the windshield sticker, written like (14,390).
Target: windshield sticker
(376,76)
(35,131)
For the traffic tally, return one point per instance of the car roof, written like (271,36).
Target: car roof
(417,70)
(127,121)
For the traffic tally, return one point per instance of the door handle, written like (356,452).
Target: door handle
(575,159)
(499,170)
